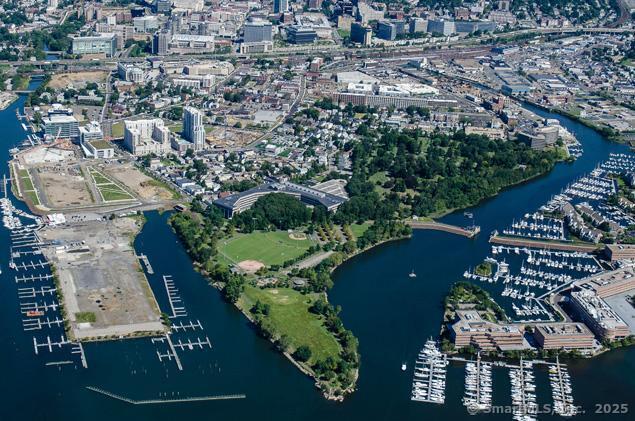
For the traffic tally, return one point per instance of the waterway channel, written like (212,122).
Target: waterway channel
(390,313)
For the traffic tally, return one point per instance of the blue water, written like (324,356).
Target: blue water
(390,313)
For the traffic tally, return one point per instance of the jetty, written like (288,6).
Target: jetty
(548,245)
(165,400)
(469,232)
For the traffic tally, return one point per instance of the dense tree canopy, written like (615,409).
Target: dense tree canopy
(275,209)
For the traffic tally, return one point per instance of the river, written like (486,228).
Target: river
(390,313)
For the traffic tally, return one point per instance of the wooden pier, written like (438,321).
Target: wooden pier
(469,232)
(164,400)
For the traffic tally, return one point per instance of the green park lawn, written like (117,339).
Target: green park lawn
(289,314)
(108,189)
(359,229)
(270,248)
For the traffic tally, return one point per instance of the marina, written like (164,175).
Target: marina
(523,391)
(478,385)
(561,390)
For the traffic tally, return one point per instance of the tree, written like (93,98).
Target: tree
(303,353)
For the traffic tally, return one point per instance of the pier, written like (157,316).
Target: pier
(429,377)
(469,232)
(174,354)
(165,400)
(38,324)
(173,297)
(188,326)
(49,344)
(32,278)
(146,262)
(32,292)
(549,245)
(478,385)
(561,390)
(191,344)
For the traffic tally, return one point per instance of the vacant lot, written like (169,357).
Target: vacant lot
(270,248)
(145,187)
(290,316)
(77,80)
(63,186)
(104,289)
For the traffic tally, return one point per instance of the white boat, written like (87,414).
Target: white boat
(403,367)
(412,274)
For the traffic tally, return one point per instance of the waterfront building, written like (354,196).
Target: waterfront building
(142,137)
(240,202)
(598,315)
(616,252)
(193,128)
(301,35)
(470,329)
(61,126)
(564,335)
(105,43)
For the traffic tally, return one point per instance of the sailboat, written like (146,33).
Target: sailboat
(412,274)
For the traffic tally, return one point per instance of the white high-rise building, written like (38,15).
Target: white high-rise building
(193,128)
(142,137)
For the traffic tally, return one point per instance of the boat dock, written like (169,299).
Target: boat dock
(173,297)
(548,245)
(187,326)
(174,354)
(165,400)
(146,262)
(561,390)
(49,344)
(191,344)
(38,324)
(32,278)
(429,376)
(523,392)
(478,385)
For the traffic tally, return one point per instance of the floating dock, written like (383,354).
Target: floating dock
(165,400)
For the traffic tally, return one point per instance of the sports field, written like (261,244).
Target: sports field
(270,248)
(290,316)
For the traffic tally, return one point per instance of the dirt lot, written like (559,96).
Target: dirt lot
(101,279)
(231,137)
(63,186)
(77,80)
(143,186)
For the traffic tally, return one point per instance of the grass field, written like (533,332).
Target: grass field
(28,189)
(290,315)
(109,190)
(359,229)
(117,129)
(270,248)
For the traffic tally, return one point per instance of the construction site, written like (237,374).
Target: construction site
(53,179)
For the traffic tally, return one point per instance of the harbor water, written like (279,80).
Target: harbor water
(391,314)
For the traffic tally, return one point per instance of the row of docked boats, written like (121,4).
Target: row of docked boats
(523,393)
(9,220)
(478,385)
(429,375)
(561,391)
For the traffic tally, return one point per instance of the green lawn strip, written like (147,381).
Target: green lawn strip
(32,196)
(359,229)
(290,315)
(270,248)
